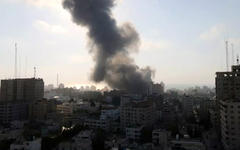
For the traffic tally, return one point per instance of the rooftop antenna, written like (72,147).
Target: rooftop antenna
(15,68)
(35,72)
(232,53)
(20,67)
(25,74)
(57,80)
(227,55)
(237,59)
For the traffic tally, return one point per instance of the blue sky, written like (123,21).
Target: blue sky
(182,40)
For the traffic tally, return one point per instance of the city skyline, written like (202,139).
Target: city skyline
(119,74)
(174,37)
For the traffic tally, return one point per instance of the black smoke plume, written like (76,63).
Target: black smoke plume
(111,45)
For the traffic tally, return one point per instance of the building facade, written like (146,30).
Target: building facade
(96,123)
(228,107)
(10,111)
(160,138)
(156,89)
(22,89)
(39,110)
(137,113)
(17,96)
(134,133)
(187,103)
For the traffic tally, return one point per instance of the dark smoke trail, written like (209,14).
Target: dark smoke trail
(112,45)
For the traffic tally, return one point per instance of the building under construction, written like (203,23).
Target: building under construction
(28,89)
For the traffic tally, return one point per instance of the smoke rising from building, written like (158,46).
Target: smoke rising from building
(110,45)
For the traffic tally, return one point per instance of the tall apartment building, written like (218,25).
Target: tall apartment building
(30,89)
(137,113)
(17,95)
(13,111)
(228,104)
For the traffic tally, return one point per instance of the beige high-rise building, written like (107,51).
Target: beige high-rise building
(228,104)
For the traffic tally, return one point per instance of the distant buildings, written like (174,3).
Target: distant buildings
(156,89)
(61,86)
(93,88)
(228,102)
(49,87)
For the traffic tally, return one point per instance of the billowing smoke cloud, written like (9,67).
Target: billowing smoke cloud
(111,45)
